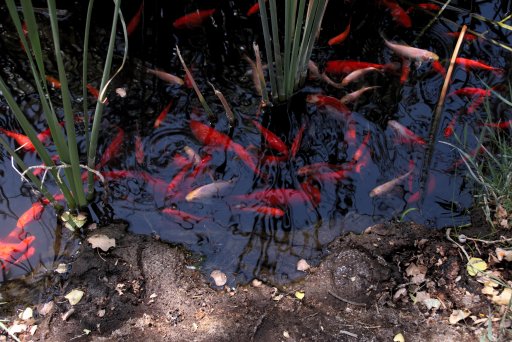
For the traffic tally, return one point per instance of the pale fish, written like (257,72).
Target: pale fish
(356,94)
(166,77)
(357,74)
(412,52)
(388,186)
(208,191)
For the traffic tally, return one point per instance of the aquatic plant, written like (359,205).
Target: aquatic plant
(68,153)
(288,57)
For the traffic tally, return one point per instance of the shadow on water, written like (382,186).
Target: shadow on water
(310,208)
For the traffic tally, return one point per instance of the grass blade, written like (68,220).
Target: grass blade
(84,74)
(268,48)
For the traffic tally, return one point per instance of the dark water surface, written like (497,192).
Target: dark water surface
(240,242)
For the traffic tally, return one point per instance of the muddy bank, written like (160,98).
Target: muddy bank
(363,291)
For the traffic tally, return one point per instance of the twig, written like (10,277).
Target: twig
(348,333)
(229,113)
(346,300)
(453,241)
(487,242)
(59,168)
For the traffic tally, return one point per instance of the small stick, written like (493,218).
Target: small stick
(453,241)
(229,113)
(348,333)
(346,300)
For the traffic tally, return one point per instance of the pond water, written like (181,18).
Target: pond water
(307,208)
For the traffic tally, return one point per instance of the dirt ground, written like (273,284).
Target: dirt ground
(142,290)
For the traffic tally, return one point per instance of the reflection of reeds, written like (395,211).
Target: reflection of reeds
(288,66)
(66,144)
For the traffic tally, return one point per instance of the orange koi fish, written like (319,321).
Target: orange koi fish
(328,101)
(166,77)
(340,38)
(351,97)
(275,197)
(211,137)
(254,9)
(399,15)
(449,129)
(351,133)
(193,19)
(426,6)
(8,249)
(406,70)
(361,149)
(201,166)
(180,176)
(388,186)
(411,52)
(30,215)
(406,135)
(296,142)
(134,22)
(476,103)
(95,92)
(264,210)
(139,150)
(469,91)
(21,139)
(163,114)
(55,83)
(468,36)
(314,194)
(500,125)
(438,67)
(344,67)
(357,74)
(273,140)
(112,149)
(182,215)
(471,64)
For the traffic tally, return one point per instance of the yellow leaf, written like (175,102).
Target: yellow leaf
(503,298)
(399,338)
(299,295)
(458,315)
(74,296)
(476,265)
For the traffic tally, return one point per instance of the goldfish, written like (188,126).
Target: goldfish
(316,168)
(449,129)
(399,15)
(468,36)
(275,197)
(353,96)
(134,22)
(30,215)
(312,192)
(179,177)
(210,136)
(166,77)
(112,149)
(55,83)
(351,133)
(273,140)
(357,74)
(361,149)
(264,210)
(340,38)
(333,175)
(406,135)
(437,66)
(388,186)
(212,190)
(412,52)
(344,67)
(201,166)
(193,19)
(254,9)
(469,91)
(406,70)
(180,161)
(21,139)
(472,64)
(296,141)
(162,115)
(328,101)
(139,150)
(182,215)
(476,103)
(8,249)
(425,6)
(501,125)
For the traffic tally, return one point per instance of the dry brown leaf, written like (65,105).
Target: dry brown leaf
(102,242)
(219,278)
(503,298)
(417,273)
(503,254)
(458,315)
(501,213)
(489,290)
(302,265)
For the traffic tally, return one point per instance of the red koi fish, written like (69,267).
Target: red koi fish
(7,250)
(139,150)
(477,102)
(427,7)
(361,149)
(345,67)
(30,215)
(471,64)
(296,142)
(314,194)
(468,36)
(469,91)
(264,210)
(351,97)
(95,92)
(273,140)
(500,125)
(328,101)
(317,168)
(388,186)
(351,133)
(438,67)
(333,176)
(406,70)
(450,128)
(406,135)
(21,139)
(254,9)
(275,197)
(399,15)
(340,38)
(201,166)
(211,137)
(25,256)
(182,215)
(134,22)
(112,150)
(193,19)
(180,176)
(180,161)
(163,114)
(165,76)
(55,83)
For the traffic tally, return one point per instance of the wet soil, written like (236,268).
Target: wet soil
(144,289)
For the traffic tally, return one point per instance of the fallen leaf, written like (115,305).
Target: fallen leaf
(421,296)
(302,265)
(62,268)
(17,328)
(299,295)
(33,330)
(476,265)
(101,313)
(219,278)
(503,298)
(286,334)
(501,213)
(102,242)
(74,296)
(489,290)
(46,308)
(26,314)
(417,273)
(256,283)
(458,315)
(432,303)
(399,338)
